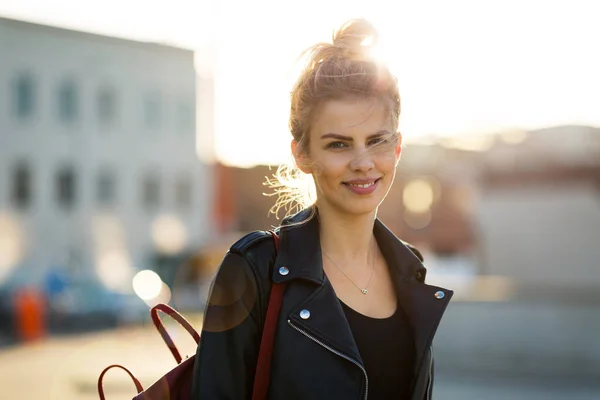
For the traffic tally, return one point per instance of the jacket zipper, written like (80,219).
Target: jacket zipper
(335,352)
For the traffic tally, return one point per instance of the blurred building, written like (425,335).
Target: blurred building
(538,214)
(521,205)
(425,206)
(431,201)
(98,164)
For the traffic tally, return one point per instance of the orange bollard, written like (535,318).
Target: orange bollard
(30,315)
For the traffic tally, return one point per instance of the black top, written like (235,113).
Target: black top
(386,347)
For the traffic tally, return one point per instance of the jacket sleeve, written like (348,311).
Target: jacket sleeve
(228,350)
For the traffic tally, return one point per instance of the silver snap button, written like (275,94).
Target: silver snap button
(305,314)
(284,271)
(439,295)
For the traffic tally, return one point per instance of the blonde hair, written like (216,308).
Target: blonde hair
(338,70)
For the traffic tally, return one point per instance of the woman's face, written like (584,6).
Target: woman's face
(352,154)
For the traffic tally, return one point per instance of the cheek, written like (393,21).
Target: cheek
(387,161)
(327,177)
(332,167)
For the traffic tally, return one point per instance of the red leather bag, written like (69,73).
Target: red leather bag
(177,383)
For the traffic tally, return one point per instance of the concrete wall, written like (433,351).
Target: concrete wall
(520,338)
(542,234)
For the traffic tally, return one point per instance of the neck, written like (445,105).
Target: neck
(347,238)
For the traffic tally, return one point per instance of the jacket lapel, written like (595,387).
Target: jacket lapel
(299,257)
(327,322)
(423,304)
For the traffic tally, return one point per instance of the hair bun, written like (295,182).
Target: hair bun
(356,37)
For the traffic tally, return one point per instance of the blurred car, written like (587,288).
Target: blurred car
(80,304)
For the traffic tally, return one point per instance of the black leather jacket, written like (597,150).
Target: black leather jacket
(313,358)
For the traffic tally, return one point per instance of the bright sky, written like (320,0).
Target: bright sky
(464,66)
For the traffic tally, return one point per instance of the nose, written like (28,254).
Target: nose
(362,161)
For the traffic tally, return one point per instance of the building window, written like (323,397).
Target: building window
(183,192)
(24,95)
(152,111)
(66,187)
(107,105)
(151,191)
(68,102)
(21,186)
(106,188)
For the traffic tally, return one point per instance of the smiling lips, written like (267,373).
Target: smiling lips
(362,186)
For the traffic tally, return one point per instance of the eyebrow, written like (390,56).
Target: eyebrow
(348,138)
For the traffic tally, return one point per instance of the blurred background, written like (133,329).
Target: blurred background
(136,137)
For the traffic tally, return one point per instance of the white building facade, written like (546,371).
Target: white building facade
(98,162)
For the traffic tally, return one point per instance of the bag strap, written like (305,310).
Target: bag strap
(163,332)
(166,337)
(263,366)
(136,382)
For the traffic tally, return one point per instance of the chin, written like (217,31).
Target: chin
(356,207)
(363,209)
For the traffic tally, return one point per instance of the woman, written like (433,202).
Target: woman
(357,320)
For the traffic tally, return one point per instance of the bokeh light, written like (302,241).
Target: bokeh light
(163,295)
(418,196)
(169,234)
(147,284)
(418,220)
(114,270)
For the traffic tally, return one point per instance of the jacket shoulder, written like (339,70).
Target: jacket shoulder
(258,252)
(249,241)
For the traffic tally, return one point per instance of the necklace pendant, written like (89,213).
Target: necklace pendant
(364,291)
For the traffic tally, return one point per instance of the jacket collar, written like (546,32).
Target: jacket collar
(300,250)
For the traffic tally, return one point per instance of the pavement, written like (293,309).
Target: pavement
(67,368)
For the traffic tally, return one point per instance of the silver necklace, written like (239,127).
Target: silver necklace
(364,290)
